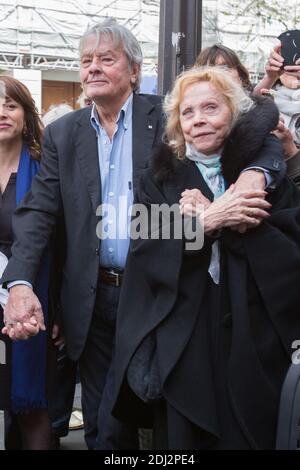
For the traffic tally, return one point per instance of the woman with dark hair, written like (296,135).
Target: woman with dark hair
(22,364)
(226,57)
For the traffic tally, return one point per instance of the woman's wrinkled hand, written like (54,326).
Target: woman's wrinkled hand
(193,203)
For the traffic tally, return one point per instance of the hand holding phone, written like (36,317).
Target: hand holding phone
(290,46)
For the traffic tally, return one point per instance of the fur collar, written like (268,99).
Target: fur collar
(241,146)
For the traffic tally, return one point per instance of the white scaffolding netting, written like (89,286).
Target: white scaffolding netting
(51,30)
(249,27)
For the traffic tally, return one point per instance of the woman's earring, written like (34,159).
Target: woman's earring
(25,131)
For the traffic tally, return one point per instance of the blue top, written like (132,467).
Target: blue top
(115,163)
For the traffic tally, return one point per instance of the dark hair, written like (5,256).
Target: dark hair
(209,56)
(32,134)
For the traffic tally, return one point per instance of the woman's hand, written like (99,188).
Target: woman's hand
(193,202)
(293,70)
(273,70)
(274,67)
(287,140)
(235,208)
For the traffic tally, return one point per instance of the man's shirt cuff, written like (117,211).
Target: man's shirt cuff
(18,283)
(268,177)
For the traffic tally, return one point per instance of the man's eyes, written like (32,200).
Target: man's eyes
(107,60)
(86,61)
(104,60)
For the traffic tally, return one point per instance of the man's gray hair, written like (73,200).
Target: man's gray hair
(120,35)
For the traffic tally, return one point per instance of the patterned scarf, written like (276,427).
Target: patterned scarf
(210,169)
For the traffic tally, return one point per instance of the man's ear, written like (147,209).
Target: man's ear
(135,73)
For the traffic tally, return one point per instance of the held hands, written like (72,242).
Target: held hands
(23,315)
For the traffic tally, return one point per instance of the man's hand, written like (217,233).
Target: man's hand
(235,208)
(249,180)
(23,315)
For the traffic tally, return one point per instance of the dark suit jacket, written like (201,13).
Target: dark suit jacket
(68,188)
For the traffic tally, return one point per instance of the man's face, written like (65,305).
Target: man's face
(105,72)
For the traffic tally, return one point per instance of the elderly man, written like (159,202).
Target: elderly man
(90,157)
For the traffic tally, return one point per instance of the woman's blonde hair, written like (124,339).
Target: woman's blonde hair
(234,95)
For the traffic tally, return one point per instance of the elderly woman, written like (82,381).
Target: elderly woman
(204,335)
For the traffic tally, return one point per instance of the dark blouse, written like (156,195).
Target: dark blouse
(7,207)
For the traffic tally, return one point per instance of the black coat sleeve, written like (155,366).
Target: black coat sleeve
(270,158)
(35,219)
(293,168)
(273,253)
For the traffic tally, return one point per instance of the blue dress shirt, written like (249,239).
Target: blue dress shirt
(115,163)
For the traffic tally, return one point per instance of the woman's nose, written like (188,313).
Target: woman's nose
(3,110)
(199,118)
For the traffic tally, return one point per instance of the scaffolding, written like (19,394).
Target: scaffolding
(45,36)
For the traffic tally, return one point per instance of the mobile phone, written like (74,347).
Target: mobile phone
(290,46)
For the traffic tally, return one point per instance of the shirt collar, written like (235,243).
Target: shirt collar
(124,117)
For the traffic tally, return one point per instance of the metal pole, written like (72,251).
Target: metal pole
(179,39)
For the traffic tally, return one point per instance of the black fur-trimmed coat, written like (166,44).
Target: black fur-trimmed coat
(231,403)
